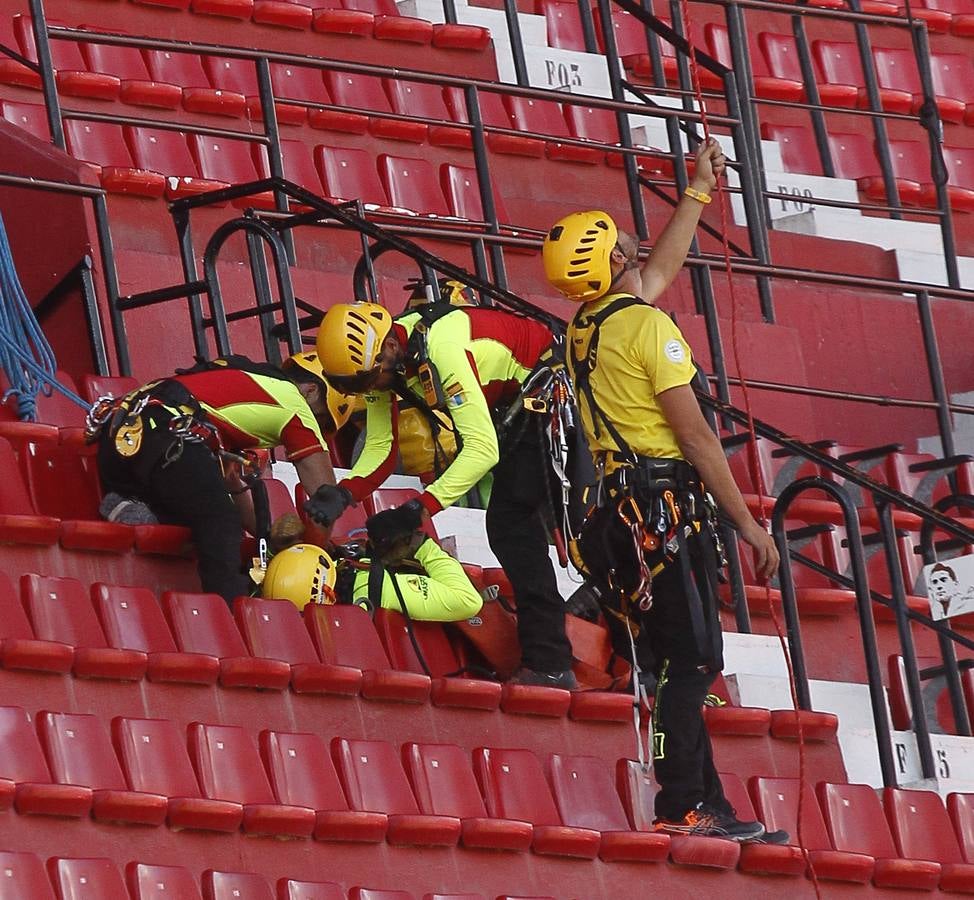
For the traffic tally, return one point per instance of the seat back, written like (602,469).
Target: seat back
(21,756)
(960,166)
(201,623)
(98,143)
(414,98)
(357,91)
(953,76)
(443,780)
(14,499)
(301,770)
(349,174)
(79,751)
(373,777)
(24,876)
(776,803)
(154,757)
(853,156)
(233,885)
(223,160)
(799,152)
(960,808)
(542,117)
(462,191)
(122,62)
(854,816)
(735,792)
(165,152)
(55,408)
(238,75)
(60,610)
(299,166)
(13,618)
(514,787)
(273,630)
(433,643)
(896,69)
(838,62)
(361,893)
(344,636)
(63,482)
(228,764)
(564,24)
(780,53)
(184,69)
(492,109)
(585,794)
(298,83)
(82,879)
(132,618)
(29,116)
(161,882)
(309,890)
(920,825)
(910,159)
(95,386)
(411,183)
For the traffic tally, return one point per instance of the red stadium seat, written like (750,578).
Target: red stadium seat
(136,84)
(64,483)
(896,69)
(922,830)
(766,84)
(154,758)
(856,823)
(361,893)
(229,768)
(364,92)
(344,636)
(80,753)
(780,52)
(298,83)
(233,9)
(70,68)
(440,658)
(233,885)
(839,63)
(303,774)
(460,185)
(32,117)
(161,882)
(374,781)
(960,807)
(390,25)
(411,183)
(961,14)
(19,649)
(95,386)
(514,787)
(133,620)
(309,890)
(102,145)
(960,185)
(564,24)
(60,610)
(776,803)
(168,153)
(24,876)
(12,71)
(417,98)
(331,17)
(24,776)
(201,623)
(936,698)
(283,13)
(545,118)
(854,157)
(349,174)
(584,791)
(273,630)
(799,152)
(493,114)
(77,878)
(298,163)
(19,523)
(444,785)
(55,408)
(230,162)
(199,96)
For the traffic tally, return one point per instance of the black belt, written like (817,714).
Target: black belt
(651,473)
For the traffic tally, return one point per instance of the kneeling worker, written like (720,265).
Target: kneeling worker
(660,463)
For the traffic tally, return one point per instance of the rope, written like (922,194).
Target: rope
(753,461)
(26,356)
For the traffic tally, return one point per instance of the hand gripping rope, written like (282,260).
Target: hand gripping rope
(752,452)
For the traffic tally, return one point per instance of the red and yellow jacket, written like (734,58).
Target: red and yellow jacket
(482,357)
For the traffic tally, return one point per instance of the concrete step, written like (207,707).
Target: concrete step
(953,759)
(890,234)
(927,264)
(801,188)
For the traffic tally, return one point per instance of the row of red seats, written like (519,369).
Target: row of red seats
(936,699)
(25,876)
(854,157)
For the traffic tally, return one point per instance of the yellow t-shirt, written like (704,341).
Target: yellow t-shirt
(641,353)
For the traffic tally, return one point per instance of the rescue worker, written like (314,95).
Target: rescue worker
(471,364)
(167,443)
(660,463)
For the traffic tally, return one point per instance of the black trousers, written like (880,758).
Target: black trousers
(682,754)
(188,491)
(517,519)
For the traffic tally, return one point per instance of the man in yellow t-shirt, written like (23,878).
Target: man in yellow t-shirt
(632,371)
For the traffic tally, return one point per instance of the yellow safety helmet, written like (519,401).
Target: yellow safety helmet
(576,254)
(349,343)
(302,574)
(339,404)
(454,292)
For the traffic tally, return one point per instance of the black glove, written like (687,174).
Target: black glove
(393,527)
(328,503)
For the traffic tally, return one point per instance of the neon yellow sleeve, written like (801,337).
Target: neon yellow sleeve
(445,594)
(466,406)
(378,458)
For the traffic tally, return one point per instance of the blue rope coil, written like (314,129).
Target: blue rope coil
(26,356)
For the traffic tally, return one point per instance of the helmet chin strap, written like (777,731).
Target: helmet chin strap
(628,266)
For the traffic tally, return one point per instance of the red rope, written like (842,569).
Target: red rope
(752,450)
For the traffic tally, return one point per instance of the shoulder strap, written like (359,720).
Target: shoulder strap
(234,361)
(582,368)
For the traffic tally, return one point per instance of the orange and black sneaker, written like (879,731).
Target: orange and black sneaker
(706,822)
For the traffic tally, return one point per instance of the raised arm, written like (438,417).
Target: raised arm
(671,247)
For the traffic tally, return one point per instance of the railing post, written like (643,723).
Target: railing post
(931,348)
(275,161)
(811,90)
(187,256)
(517,42)
(789,606)
(109,276)
(42,42)
(93,316)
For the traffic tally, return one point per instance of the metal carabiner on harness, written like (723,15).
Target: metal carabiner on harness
(636,526)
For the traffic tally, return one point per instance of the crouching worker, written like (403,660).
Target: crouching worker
(415,577)
(167,445)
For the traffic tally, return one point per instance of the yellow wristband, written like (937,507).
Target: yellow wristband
(699,196)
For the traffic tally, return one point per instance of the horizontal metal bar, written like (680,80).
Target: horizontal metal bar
(161,125)
(43,184)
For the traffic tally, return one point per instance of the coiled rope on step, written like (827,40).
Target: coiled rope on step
(752,450)
(26,356)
